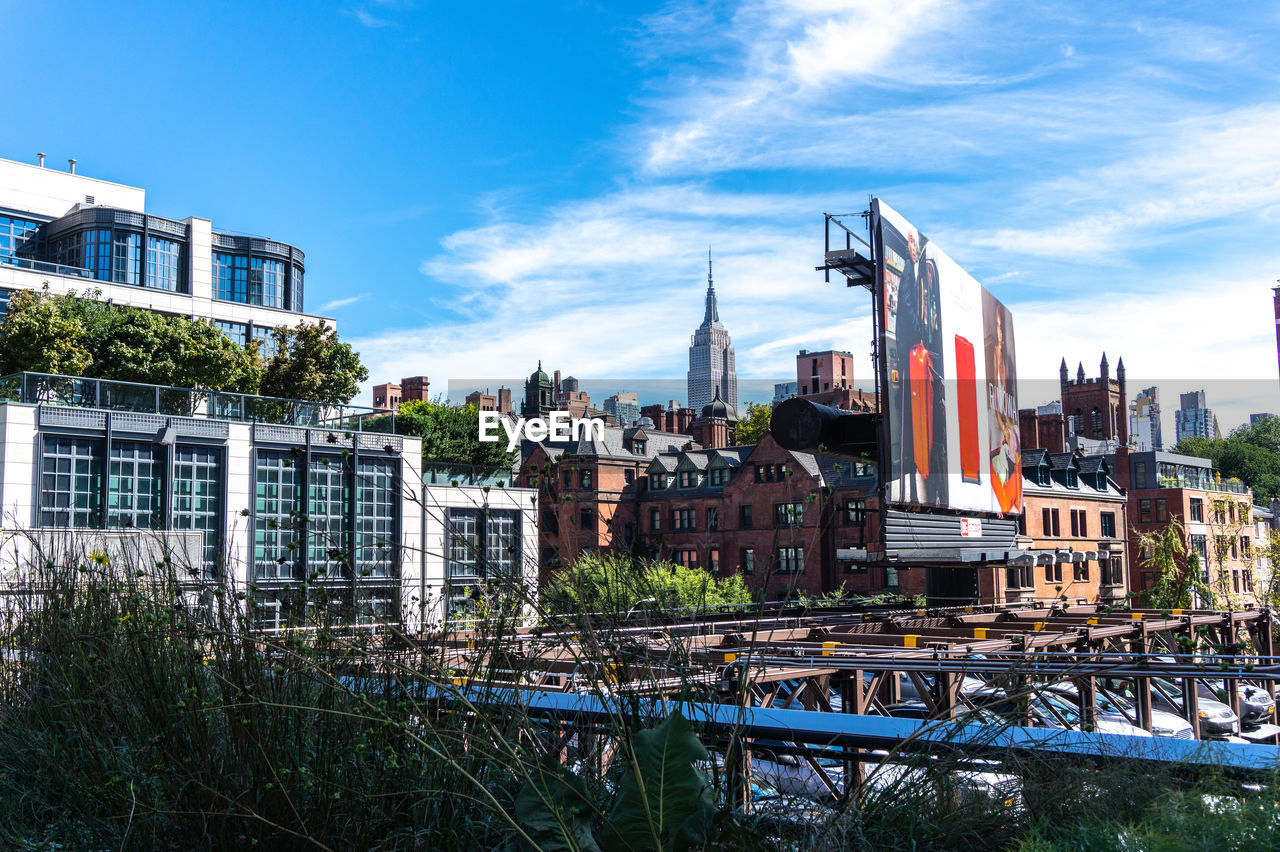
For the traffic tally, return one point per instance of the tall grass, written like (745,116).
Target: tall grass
(140,712)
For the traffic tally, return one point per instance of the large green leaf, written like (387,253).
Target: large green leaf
(660,788)
(553,808)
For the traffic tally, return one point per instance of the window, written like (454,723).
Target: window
(1109,569)
(657,480)
(1200,546)
(585,478)
(14,233)
(1162,510)
(267,346)
(688,479)
(1081,571)
(1095,423)
(687,558)
(275,535)
(1108,524)
(1049,522)
(748,562)
(568,479)
(713,518)
(713,559)
(197,497)
(134,485)
(266,282)
(655,519)
(326,516)
(628,533)
(1196,509)
(164,264)
(790,560)
(718,476)
(1139,474)
(587,520)
(1144,510)
(70,482)
(1022,524)
(230,277)
(744,517)
(855,512)
(1244,547)
(637,447)
(684,519)
(375,542)
(628,476)
(237,331)
(482,543)
(1079,523)
(1019,577)
(1053,573)
(788,514)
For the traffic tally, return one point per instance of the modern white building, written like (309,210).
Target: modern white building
(72,232)
(327,513)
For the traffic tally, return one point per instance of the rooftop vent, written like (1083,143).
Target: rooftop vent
(40,160)
(71,166)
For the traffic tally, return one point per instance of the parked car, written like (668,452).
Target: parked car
(1217,721)
(1050,711)
(1163,723)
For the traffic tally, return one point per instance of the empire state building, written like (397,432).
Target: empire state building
(711,364)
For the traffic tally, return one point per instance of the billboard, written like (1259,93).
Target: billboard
(949,377)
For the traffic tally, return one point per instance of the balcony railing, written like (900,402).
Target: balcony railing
(80,392)
(1202,483)
(442,473)
(44,266)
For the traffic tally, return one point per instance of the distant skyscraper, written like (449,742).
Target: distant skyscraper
(625,408)
(711,362)
(1255,419)
(1195,419)
(1144,421)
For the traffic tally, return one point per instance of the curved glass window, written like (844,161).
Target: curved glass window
(230,277)
(164,268)
(126,258)
(266,282)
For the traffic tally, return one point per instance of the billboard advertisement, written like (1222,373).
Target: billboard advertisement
(949,377)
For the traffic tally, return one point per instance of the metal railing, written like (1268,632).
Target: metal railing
(108,395)
(442,473)
(45,266)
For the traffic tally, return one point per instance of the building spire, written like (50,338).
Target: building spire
(712,315)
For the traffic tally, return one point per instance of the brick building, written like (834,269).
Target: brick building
(1216,513)
(1074,516)
(1095,408)
(390,395)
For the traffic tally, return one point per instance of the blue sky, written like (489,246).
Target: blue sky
(479,186)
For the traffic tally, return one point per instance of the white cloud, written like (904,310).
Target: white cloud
(340,303)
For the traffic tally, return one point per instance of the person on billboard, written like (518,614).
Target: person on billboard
(1006,451)
(919,352)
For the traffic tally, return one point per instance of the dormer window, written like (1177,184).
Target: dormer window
(657,481)
(637,447)
(718,476)
(689,479)
(1043,476)
(1073,481)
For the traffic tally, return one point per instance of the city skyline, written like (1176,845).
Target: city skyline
(1089,172)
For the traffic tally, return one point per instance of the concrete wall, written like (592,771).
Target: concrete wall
(52,192)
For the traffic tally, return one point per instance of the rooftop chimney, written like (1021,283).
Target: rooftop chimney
(40,160)
(71,166)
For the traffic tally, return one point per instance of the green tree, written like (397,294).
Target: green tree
(1251,453)
(312,363)
(755,423)
(83,336)
(614,582)
(1177,571)
(450,433)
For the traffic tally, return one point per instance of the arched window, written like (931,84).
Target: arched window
(1095,423)
(1077,422)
